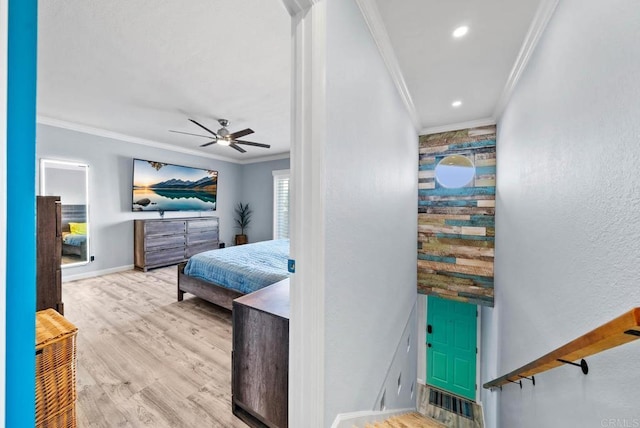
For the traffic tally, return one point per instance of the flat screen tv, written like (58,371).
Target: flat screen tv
(159,186)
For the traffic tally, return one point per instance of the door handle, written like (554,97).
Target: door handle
(429,345)
(429,329)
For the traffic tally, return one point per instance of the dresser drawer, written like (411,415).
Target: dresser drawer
(164,257)
(202,224)
(164,227)
(198,238)
(192,250)
(157,242)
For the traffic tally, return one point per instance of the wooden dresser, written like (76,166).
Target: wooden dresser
(260,358)
(49,254)
(164,242)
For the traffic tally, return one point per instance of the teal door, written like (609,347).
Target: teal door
(451,346)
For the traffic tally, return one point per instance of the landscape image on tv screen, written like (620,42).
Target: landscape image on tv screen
(161,186)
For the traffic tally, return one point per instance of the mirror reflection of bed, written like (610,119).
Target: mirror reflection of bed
(74,233)
(69,181)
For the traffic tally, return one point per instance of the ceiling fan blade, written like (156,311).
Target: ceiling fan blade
(238,148)
(189,133)
(249,143)
(239,134)
(208,144)
(204,127)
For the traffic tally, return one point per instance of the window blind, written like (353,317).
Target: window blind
(281,204)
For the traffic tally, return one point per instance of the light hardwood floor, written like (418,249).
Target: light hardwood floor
(408,420)
(146,360)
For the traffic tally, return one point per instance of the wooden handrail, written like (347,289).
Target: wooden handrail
(618,331)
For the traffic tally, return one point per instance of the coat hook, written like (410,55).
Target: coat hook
(532,379)
(583,365)
(518,382)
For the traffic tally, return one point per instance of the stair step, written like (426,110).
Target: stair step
(408,420)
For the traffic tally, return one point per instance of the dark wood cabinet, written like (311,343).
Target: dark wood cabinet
(165,242)
(49,254)
(260,373)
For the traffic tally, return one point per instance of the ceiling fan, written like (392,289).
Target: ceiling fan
(224,137)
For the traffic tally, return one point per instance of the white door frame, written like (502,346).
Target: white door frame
(306,328)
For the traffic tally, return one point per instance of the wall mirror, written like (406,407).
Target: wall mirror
(455,171)
(69,181)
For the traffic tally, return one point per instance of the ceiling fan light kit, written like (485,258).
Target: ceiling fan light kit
(224,137)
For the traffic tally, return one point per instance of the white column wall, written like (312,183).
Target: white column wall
(306,326)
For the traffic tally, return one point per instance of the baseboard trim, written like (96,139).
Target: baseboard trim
(93,274)
(348,420)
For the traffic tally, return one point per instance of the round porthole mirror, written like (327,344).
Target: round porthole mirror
(455,171)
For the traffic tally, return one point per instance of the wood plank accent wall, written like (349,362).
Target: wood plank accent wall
(456,227)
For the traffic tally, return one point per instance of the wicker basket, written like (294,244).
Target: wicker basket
(65,419)
(55,370)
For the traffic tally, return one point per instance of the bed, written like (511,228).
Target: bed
(74,244)
(220,276)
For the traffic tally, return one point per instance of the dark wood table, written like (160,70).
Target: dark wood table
(260,373)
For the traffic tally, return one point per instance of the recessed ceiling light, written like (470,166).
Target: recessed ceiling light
(460,31)
(456,103)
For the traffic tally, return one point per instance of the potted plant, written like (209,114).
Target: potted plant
(243,218)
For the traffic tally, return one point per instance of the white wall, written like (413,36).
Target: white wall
(370,185)
(489,364)
(66,183)
(3,200)
(110,179)
(568,217)
(110,170)
(257,190)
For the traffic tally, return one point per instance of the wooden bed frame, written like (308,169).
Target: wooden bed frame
(206,290)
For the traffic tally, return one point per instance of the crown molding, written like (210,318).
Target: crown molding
(538,25)
(294,7)
(460,125)
(44,120)
(279,156)
(379,32)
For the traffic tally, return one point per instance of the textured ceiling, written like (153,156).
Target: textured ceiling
(142,67)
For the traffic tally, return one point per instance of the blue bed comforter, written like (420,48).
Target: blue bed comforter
(74,239)
(245,268)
